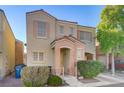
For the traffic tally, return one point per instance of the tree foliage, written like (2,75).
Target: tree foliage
(110,30)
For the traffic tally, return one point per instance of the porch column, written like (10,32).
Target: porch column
(72,62)
(57,61)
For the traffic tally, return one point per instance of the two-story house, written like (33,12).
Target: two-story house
(57,43)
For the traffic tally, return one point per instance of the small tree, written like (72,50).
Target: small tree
(111,31)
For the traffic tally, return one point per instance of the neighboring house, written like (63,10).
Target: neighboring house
(106,59)
(102,57)
(7,47)
(58,43)
(19,52)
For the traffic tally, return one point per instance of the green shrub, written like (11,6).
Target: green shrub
(89,69)
(54,80)
(35,76)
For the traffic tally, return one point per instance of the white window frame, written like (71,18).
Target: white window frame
(71,30)
(84,38)
(61,32)
(42,56)
(38,58)
(45,36)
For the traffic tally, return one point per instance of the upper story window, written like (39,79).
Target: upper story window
(61,29)
(86,36)
(40,28)
(71,30)
(42,32)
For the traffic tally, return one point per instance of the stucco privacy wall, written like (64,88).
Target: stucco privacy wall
(35,44)
(8,46)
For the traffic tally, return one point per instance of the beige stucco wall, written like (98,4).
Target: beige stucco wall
(67,26)
(40,45)
(8,46)
(35,44)
(90,46)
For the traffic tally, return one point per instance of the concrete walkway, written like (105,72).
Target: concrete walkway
(104,80)
(10,81)
(72,81)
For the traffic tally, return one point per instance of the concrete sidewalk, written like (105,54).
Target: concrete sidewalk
(103,78)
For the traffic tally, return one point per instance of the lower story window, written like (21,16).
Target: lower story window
(38,56)
(41,56)
(35,56)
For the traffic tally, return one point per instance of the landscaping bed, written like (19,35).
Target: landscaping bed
(37,76)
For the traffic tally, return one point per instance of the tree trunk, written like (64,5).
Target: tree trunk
(113,64)
(107,61)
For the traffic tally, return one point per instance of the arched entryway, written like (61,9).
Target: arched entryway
(66,55)
(65,59)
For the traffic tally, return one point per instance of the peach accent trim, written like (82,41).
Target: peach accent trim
(73,46)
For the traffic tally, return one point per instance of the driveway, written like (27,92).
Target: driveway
(10,81)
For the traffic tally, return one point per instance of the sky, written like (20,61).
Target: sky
(84,15)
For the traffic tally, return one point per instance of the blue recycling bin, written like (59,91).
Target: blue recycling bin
(18,69)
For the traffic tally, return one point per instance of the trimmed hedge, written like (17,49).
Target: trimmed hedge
(35,76)
(89,69)
(54,80)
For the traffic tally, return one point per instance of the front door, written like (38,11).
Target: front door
(65,58)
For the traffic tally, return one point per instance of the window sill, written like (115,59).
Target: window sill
(38,62)
(61,34)
(41,37)
(87,41)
